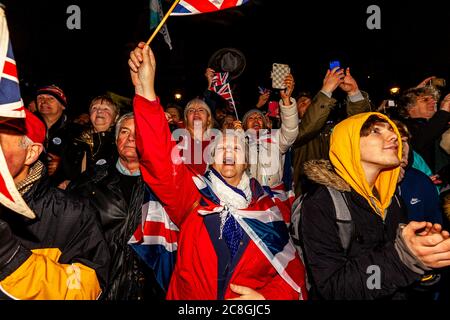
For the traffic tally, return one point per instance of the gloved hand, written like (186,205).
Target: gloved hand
(8,244)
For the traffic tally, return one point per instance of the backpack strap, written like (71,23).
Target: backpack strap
(343,217)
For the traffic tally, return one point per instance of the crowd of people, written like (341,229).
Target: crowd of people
(165,202)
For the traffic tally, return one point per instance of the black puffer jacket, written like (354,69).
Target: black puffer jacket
(130,278)
(336,274)
(64,223)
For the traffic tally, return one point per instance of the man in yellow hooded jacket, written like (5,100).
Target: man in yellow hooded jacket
(384,257)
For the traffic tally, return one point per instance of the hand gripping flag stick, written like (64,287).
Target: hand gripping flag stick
(166,16)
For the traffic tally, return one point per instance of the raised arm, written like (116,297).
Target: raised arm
(289,116)
(160,162)
(317,114)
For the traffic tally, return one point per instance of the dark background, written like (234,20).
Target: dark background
(413,43)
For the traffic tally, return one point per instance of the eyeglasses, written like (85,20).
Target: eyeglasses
(200,110)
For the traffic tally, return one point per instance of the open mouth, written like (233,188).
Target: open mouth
(228,161)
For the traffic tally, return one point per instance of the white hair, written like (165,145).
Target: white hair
(126,116)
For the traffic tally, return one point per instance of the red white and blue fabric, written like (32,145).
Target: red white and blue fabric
(220,85)
(278,248)
(187,7)
(156,239)
(11,104)
(11,108)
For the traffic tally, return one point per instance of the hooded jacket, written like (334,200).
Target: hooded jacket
(375,244)
(313,140)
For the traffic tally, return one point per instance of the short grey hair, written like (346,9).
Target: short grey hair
(200,102)
(126,116)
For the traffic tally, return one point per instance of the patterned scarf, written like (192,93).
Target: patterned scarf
(232,199)
(36,172)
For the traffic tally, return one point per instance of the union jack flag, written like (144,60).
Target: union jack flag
(270,216)
(186,7)
(220,85)
(11,110)
(156,239)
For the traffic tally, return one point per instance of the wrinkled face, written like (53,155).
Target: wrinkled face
(198,114)
(174,113)
(229,159)
(380,148)
(126,141)
(255,121)
(15,154)
(302,105)
(425,107)
(49,105)
(102,116)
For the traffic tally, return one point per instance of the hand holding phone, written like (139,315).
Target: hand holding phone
(334,64)
(279,74)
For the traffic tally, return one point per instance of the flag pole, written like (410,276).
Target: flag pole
(163,21)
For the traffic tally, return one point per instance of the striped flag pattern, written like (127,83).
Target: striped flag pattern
(187,7)
(11,111)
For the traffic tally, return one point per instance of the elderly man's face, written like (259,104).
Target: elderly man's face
(14,152)
(48,105)
(229,159)
(126,141)
(425,107)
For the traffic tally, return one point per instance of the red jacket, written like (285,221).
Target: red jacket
(196,270)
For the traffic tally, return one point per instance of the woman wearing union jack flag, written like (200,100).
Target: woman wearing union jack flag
(224,216)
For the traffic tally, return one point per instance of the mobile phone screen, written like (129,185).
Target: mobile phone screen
(334,64)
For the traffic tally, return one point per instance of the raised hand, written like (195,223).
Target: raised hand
(209,74)
(333,79)
(263,98)
(425,82)
(445,104)
(286,93)
(349,84)
(142,69)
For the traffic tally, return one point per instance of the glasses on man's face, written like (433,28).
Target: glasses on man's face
(199,110)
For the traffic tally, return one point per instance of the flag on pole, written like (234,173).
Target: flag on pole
(11,110)
(187,7)
(156,15)
(220,84)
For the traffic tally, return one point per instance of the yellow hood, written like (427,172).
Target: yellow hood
(346,159)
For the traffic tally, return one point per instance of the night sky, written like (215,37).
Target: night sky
(413,43)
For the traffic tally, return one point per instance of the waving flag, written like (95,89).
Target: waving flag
(11,110)
(156,15)
(11,104)
(187,7)
(220,85)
